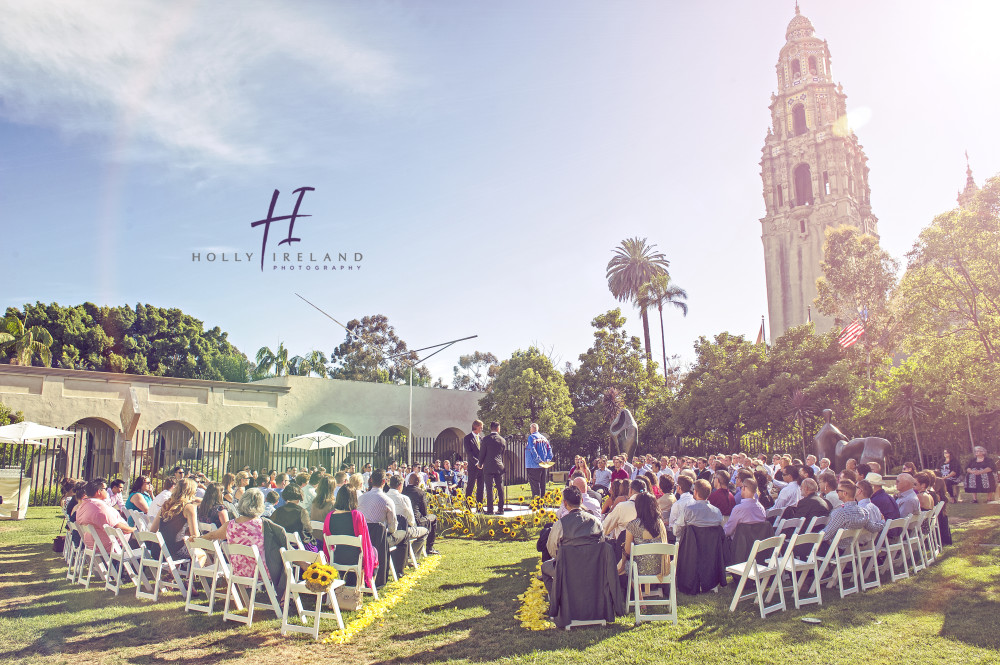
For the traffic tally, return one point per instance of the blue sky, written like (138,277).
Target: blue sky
(484,158)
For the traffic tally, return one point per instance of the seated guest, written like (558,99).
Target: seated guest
(417,533)
(763,489)
(612,499)
(243,479)
(906,497)
(748,511)
(620,472)
(139,497)
(322,503)
(346,520)
(292,517)
(700,512)
(737,484)
(790,494)
(721,497)
(811,504)
(575,526)
(270,503)
(667,498)
(211,510)
(356,483)
(806,471)
(602,476)
(653,485)
(95,511)
(849,515)
(925,490)
(247,529)
(116,495)
(622,514)
(881,498)
(676,520)
(423,517)
(178,518)
(647,527)
(309,490)
(379,509)
(446,475)
(161,498)
(339,480)
(828,486)
(587,502)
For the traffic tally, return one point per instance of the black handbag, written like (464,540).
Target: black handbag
(58,543)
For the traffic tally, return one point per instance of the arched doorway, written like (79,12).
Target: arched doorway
(391,445)
(174,443)
(91,454)
(803,185)
(247,445)
(448,445)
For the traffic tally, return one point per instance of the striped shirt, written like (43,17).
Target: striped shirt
(851,516)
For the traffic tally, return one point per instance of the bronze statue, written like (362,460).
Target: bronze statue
(832,444)
(626,432)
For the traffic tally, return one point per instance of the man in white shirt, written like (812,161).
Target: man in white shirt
(602,476)
(624,512)
(587,503)
(790,493)
(404,507)
(160,499)
(811,461)
(676,520)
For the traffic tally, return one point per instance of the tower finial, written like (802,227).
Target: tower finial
(796,7)
(968,167)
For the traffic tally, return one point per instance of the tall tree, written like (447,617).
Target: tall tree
(475,371)
(908,406)
(312,363)
(633,264)
(657,292)
(276,361)
(372,351)
(615,360)
(527,389)
(24,344)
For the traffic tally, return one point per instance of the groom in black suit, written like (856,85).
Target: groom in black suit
(474,459)
(492,461)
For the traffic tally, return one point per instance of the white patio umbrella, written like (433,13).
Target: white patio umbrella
(318,441)
(28,432)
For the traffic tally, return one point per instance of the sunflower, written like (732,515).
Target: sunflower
(552,517)
(537,520)
(501,523)
(492,533)
(506,529)
(489,522)
(465,531)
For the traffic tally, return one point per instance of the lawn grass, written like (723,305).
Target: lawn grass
(464,612)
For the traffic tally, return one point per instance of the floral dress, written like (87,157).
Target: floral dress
(649,564)
(248,533)
(980,482)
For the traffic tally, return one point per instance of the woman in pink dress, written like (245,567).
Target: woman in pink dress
(247,529)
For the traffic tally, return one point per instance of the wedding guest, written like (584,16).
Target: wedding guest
(178,517)
(211,509)
(139,497)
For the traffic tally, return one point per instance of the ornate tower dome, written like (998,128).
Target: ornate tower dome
(815,176)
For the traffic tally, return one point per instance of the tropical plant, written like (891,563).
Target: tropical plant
(314,363)
(25,344)
(908,406)
(633,264)
(658,292)
(277,360)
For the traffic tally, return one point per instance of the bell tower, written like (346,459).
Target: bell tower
(815,176)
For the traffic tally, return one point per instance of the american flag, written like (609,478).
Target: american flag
(851,333)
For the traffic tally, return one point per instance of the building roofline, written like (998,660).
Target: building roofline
(140,378)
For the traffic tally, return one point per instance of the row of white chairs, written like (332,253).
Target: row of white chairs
(851,563)
(207,564)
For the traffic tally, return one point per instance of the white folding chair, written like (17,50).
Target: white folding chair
(789,527)
(773,515)
(151,567)
(295,562)
(935,527)
(293,541)
(761,575)
(816,524)
(840,556)
(894,547)
(635,582)
(866,552)
(926,537)
(259,581)
(122,562)
(799,569)
(140,519)
(912,543)
(357,568)
(95,553)
(206,527)
(74,552)
(207,567)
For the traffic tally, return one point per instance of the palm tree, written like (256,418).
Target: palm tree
(908,406)
(658,292)
(25,343)
(315,362)
(266,359)
(634,263)
(800,410)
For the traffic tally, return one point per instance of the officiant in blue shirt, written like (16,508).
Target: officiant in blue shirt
(536,451)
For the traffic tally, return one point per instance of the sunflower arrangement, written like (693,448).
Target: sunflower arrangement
(319,577)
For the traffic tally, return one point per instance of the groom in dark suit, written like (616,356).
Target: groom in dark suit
(492,461)
(474,458)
